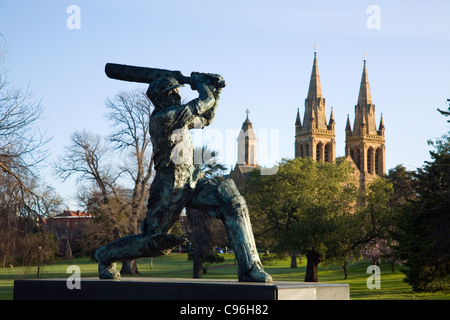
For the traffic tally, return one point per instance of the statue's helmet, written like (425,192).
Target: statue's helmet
(161,85)
(159,92)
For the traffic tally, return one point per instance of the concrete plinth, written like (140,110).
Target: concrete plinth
(176,289)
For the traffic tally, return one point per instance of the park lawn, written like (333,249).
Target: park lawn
(177,266)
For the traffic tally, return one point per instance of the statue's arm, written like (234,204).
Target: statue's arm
(205,106)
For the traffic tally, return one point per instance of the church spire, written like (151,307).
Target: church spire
(364,109)
(315,137)
(315,89)
(331,122)
(331,116)
(381,127)
(348,128)
(298,122)
(365,144)
(314,117)
(364,89)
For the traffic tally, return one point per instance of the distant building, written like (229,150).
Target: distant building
(315,136)
(364,145)
(68,227)
(247,151)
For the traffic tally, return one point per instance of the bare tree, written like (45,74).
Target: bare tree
(129,113)
(22,202)
(21,142)
(87,158)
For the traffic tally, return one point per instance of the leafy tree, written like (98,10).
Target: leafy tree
(423,228)
(403,183)
(265,206)
(308,208)
(375,216)
(445,113)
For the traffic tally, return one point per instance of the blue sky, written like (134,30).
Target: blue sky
(263,49)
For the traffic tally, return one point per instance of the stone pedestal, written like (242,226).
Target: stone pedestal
(176,289)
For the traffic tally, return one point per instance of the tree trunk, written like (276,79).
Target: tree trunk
(129,267)
(344,266)
(197,266)
(294,259)
(68,249)
(312,263)
(200,237)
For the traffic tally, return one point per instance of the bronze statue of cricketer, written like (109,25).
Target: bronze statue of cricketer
(177,184)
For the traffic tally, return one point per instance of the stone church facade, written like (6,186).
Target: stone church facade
(364,144)
(315,135)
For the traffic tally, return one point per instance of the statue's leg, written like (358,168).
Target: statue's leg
(165,205)
(133,247)
(223,201)
(166,201)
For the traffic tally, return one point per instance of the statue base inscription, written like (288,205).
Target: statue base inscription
(177,289)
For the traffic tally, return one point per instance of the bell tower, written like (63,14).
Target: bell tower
(247,151)
(247,144)
(365,144)
(315,138)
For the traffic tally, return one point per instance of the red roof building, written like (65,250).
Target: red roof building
(68,226)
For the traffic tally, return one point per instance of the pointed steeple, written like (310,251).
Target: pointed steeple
(331,122)
(348,127)
(381,127)
(364,89)
(365,145)
(298,122)
(315,137)
(315,117)
(381,123)
(364,109)
(315,89)
(331,116)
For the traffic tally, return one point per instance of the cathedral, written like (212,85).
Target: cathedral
(315,135)
(364,145)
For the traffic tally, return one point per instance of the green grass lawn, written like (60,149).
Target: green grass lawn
(177,266)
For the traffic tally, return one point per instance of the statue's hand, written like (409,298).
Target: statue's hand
(214,82)
(197,80)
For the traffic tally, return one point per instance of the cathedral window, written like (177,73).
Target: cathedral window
(319,152)
(378,161)
(370,161)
